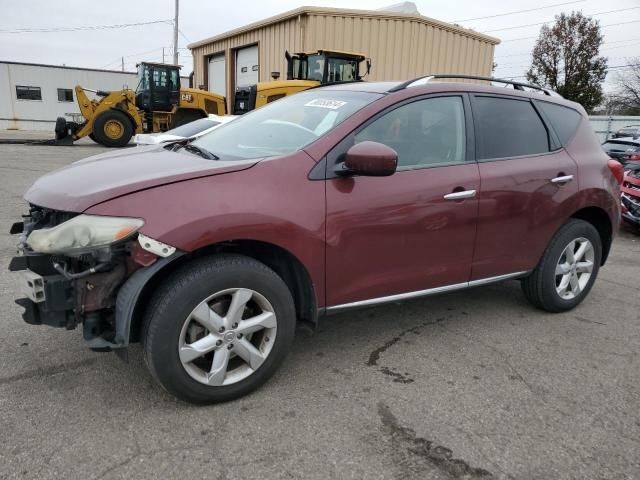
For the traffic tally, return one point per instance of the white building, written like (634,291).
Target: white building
(32,96)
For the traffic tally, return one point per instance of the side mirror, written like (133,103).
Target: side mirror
(371,159)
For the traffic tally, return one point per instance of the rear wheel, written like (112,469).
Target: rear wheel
(218,328)
(112,128)
(567,270)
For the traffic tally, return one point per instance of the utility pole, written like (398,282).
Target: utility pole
(175,35)
(162,54)
(122,63)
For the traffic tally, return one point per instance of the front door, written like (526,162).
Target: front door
(405,233)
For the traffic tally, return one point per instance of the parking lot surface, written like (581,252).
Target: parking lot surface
(474,384)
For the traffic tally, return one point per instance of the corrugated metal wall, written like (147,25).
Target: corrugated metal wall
(272,42)
(399,47)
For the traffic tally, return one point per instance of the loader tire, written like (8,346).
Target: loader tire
(112,128)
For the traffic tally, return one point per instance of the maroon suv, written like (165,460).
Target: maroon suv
(210,251)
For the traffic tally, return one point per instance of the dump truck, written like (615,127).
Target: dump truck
(304,71)
(157,104)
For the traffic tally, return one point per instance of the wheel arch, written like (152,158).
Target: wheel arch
(599,218)
(281,261)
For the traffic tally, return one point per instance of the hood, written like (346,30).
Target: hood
(102,177)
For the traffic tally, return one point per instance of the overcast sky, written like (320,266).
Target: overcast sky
(204,18)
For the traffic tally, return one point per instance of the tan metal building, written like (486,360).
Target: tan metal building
(400,45)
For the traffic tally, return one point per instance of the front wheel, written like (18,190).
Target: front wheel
(218,328)
(567,270)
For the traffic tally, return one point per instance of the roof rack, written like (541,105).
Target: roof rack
(516,85)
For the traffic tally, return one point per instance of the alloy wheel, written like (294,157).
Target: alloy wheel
(574,268)
(227,337)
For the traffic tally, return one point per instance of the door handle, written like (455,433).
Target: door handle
(562,179)
(460,195)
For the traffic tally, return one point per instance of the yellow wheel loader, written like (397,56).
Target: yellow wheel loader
(157,104)
(304,71)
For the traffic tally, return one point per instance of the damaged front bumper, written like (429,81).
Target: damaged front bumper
(99,289)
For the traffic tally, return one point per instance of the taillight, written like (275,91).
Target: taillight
(617,169)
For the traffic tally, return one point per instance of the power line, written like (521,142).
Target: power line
(76,29)
(551,21)
(518,11)
(603,26)
(604,44)
(615,67)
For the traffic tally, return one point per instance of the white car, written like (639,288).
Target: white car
(193,129)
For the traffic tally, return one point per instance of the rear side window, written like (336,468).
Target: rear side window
(564,120)
(508,128)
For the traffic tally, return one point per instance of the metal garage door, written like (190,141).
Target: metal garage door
(246,66)
(217,77)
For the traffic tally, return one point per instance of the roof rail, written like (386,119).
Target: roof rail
(516,85)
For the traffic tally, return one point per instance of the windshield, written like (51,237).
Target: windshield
(284,126)
(192,128)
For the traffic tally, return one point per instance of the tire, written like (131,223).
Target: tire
(93,137)
(112,128)
(61,130)
(171,316)
(544,287)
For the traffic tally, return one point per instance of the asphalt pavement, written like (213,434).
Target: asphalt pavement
(470,385)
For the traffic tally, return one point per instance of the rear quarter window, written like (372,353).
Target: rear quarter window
(564,120)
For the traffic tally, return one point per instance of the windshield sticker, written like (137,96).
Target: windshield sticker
(325,103)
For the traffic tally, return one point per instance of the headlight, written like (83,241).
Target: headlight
(83,232)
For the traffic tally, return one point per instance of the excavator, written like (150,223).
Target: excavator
(158,103)
(304,71)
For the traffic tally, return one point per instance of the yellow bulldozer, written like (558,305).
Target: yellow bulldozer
(304,71)
(157,104)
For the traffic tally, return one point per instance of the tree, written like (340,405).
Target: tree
(566,59)
(627,95)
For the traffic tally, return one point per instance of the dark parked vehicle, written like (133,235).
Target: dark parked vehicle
(631,195)
(628,131)
(625,150)
(339,197)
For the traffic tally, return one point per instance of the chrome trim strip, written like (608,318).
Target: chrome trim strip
(499,278)
(422,293)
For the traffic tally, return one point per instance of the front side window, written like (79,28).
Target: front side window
(285,126)
(508,128)
(143,79)
(423,133)
(28,93)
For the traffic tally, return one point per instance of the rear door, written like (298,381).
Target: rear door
(527,180)
(399,234)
